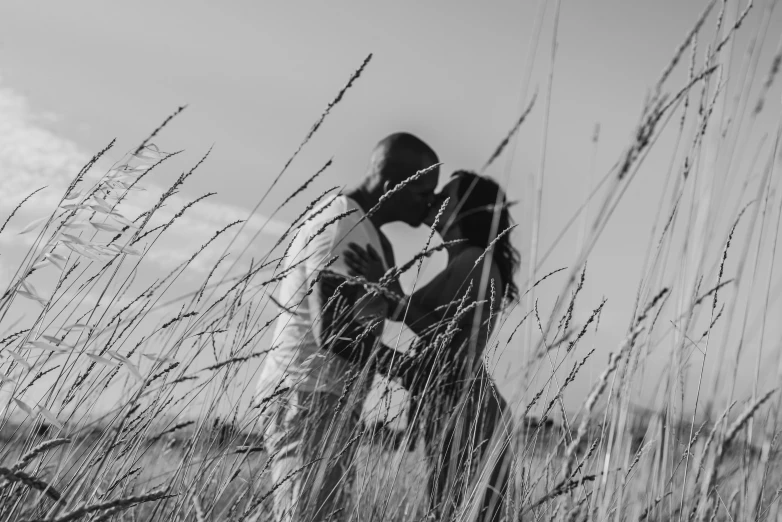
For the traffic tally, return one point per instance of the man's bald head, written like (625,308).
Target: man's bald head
(396,158)
(400,155)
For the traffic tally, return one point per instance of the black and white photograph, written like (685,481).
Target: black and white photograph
(362,261)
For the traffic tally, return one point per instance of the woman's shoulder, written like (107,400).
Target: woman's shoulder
(470,256)
(468,261)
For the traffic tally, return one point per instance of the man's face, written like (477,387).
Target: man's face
(448,218)
(420,194)
(411,203)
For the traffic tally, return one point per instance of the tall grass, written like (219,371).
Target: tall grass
(178,443)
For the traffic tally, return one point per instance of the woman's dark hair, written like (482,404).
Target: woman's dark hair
(479,199)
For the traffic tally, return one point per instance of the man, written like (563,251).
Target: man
(315,380)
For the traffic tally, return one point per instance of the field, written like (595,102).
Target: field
(182,442)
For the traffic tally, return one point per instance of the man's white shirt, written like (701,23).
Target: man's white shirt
(296,360)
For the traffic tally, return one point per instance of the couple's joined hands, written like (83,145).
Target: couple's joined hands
(368,264)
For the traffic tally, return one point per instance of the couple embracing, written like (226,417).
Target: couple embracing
(327,345)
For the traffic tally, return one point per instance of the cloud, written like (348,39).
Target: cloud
(32,156)
(197,225)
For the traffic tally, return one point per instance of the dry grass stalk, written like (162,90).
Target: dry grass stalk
(776,64)
(197,509)
(40,449)
(17,207)
(597,391)
(214,334)
(735,27)
(399,186)
(706,493)
(29,481)
(505,141)
(160,127)
(115,506)
(301,146)
(683,46)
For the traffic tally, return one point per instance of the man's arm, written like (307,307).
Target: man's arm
(344,332)
(403,307)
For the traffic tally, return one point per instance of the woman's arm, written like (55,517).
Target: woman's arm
(366,262)
(437,302)
(422,310)
(430,305)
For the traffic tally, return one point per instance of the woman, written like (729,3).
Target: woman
(455,402)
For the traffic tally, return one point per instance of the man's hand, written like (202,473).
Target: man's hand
(364,262)
(348,336)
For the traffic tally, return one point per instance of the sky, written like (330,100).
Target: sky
(257,75)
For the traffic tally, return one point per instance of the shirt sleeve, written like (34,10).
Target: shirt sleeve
(352,229)
(331,241)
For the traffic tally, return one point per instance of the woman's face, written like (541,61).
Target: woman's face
(446,224)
